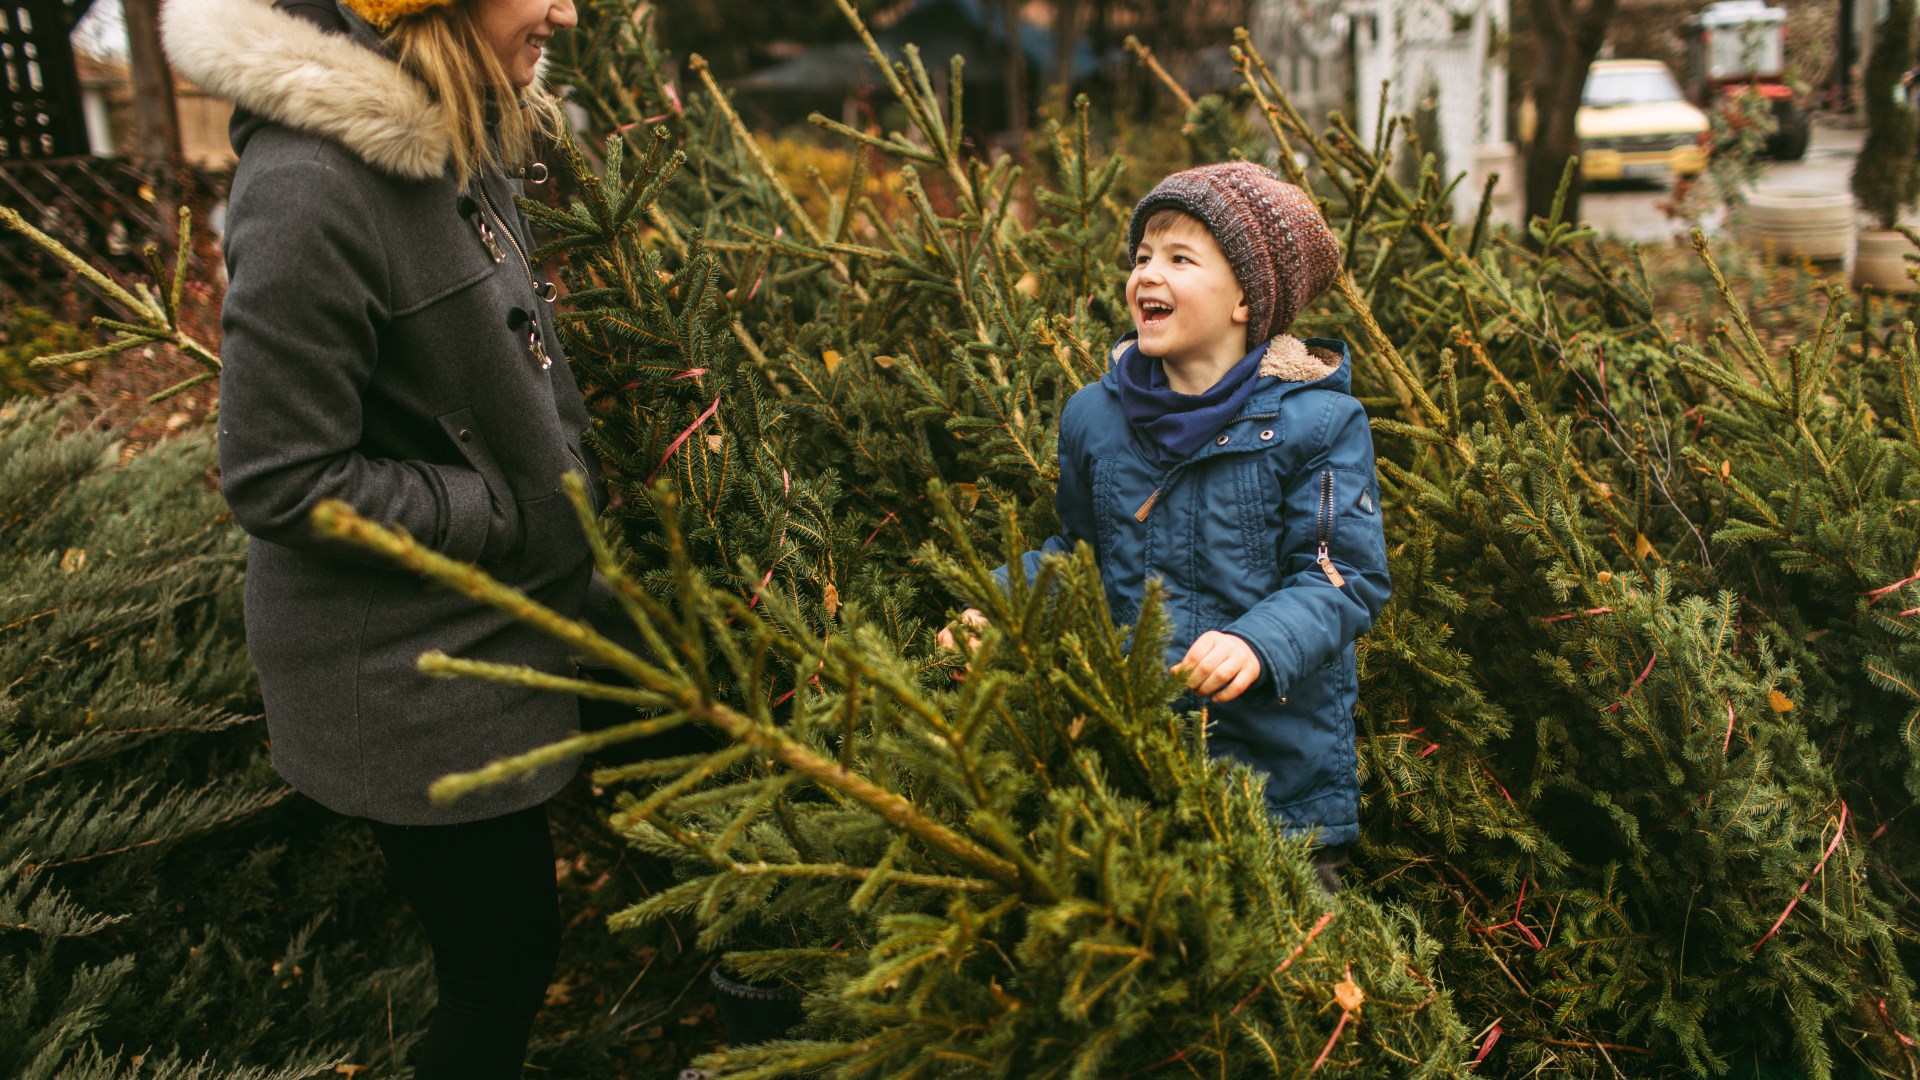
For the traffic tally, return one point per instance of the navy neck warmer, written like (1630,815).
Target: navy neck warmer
(1179,424)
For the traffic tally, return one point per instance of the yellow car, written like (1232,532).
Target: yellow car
(1635,124)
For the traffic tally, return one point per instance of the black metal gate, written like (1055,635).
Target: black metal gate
(40,111)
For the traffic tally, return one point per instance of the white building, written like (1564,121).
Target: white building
(1343,54)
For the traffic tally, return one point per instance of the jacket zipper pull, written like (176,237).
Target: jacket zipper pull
(1332,571)
(1146,507)
(1326,530)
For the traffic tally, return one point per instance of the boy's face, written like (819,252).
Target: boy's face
(1185,301)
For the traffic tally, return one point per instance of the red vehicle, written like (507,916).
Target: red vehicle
(1735,45)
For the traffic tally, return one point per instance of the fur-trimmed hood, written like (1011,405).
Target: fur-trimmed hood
(286,69)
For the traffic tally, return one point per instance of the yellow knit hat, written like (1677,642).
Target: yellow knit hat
(380,14)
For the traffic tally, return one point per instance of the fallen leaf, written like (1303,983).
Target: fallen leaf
(1349,995)
(1779,702)
(178,420)
(714,443)
(1028,285)
(1074,729)
(832,359)
(1726,470)
(1642,547)
(73,560)
(832,601)
(1603,576)
(883,361)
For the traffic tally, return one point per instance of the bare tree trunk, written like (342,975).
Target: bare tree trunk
(156,122)
(1567,35)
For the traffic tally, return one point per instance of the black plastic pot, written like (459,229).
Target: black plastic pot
(753,1013)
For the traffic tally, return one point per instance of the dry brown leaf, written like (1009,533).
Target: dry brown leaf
(1779,702)
(1028,285)
(715,442)
(1349,995)
(883,361)
(832,359)
(1074,729)
(832,601)
(1726,470)
(1642,547)
(74,559)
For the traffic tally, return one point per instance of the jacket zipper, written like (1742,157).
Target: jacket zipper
(1326,529)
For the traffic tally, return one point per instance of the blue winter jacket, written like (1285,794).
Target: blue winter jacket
(1271,533)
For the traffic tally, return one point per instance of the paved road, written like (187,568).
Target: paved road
(1629,210)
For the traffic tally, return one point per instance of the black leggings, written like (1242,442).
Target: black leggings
(485,893)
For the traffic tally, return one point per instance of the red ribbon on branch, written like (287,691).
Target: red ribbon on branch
(877,528)
(1644,672)
(684,436)
(1817,867)
(1575,615)
(1875,594)
(1493,1036)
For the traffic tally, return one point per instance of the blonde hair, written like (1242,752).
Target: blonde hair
(442,47)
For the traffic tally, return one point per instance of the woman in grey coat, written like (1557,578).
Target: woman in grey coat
(388,342)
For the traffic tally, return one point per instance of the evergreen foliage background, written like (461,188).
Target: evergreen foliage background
(166,909)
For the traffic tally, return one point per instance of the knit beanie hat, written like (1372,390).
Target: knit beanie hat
(381,14)
(1275,240)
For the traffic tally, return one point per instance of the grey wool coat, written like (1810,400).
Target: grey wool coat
(384,345)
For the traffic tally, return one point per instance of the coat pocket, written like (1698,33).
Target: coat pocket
(493,503)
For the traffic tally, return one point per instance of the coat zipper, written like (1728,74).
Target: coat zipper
(1326,529)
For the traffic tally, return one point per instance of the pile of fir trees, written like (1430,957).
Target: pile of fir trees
(1638,728)
(165,910)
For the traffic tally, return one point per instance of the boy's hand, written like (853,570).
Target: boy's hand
(974,618)
(1219,666)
